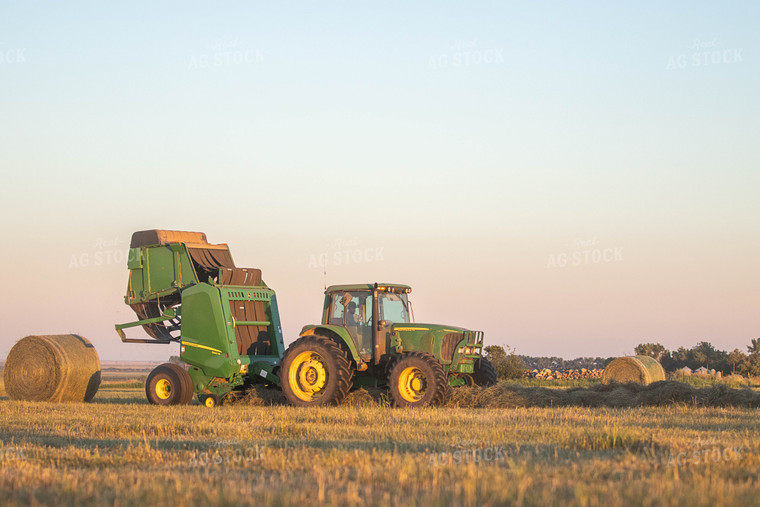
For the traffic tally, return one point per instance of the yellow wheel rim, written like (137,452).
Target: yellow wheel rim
(307,376)
(210,401)
(412,384)
(163,389)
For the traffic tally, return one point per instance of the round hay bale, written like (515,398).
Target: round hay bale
(639,369)
(62,367)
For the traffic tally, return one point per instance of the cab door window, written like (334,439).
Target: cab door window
(353,309)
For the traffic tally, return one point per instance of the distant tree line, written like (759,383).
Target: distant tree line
(558,363)
(705,354)
(510,365)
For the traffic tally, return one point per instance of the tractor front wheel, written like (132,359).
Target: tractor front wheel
(169,384)
(484,374)
(315,370)
(418,380)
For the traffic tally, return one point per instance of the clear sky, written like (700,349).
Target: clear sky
(573,178)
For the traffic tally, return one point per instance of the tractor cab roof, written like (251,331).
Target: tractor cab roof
(390,287)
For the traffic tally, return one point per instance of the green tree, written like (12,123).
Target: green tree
(753,360)
(654,350)
(495,354)
(507,365)
(753,365)
(657,351)
(703,353)
(682,357)
(738,361)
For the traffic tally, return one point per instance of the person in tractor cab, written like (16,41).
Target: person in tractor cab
(352,319)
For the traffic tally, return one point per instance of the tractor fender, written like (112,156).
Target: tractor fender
(337,333)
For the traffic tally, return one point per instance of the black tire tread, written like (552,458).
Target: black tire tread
(441,378)
(187,383)
(175,379)
(485,374)
(344,373)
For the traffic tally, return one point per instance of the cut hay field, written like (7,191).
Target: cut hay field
(121,450)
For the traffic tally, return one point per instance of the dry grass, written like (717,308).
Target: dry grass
(709,380)
(121,450)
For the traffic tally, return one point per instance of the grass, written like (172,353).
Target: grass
(119,449)
(708,381)
(136,384)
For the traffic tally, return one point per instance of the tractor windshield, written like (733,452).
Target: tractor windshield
(394,307)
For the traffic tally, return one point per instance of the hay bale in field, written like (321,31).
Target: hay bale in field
(52,368)
(639,369)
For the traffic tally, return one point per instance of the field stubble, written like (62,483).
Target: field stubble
(121,450)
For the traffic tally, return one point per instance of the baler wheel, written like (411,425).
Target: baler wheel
(315,371)
(418,380)
(168,384)
(187,383)
(484,374)
(209,400)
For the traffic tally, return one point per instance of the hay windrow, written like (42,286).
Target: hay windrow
(641,369)
(665,392)
(52,368)
(359,398)
(259,396)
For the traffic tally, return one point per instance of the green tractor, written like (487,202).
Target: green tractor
(368,338)
(225,318)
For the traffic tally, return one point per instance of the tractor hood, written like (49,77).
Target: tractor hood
(416,326)
(448,343)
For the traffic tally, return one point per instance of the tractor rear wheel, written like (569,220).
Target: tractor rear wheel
(169,384)
(418,380)
(484,374)
(315,370)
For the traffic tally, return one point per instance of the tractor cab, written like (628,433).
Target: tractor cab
(367,312)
